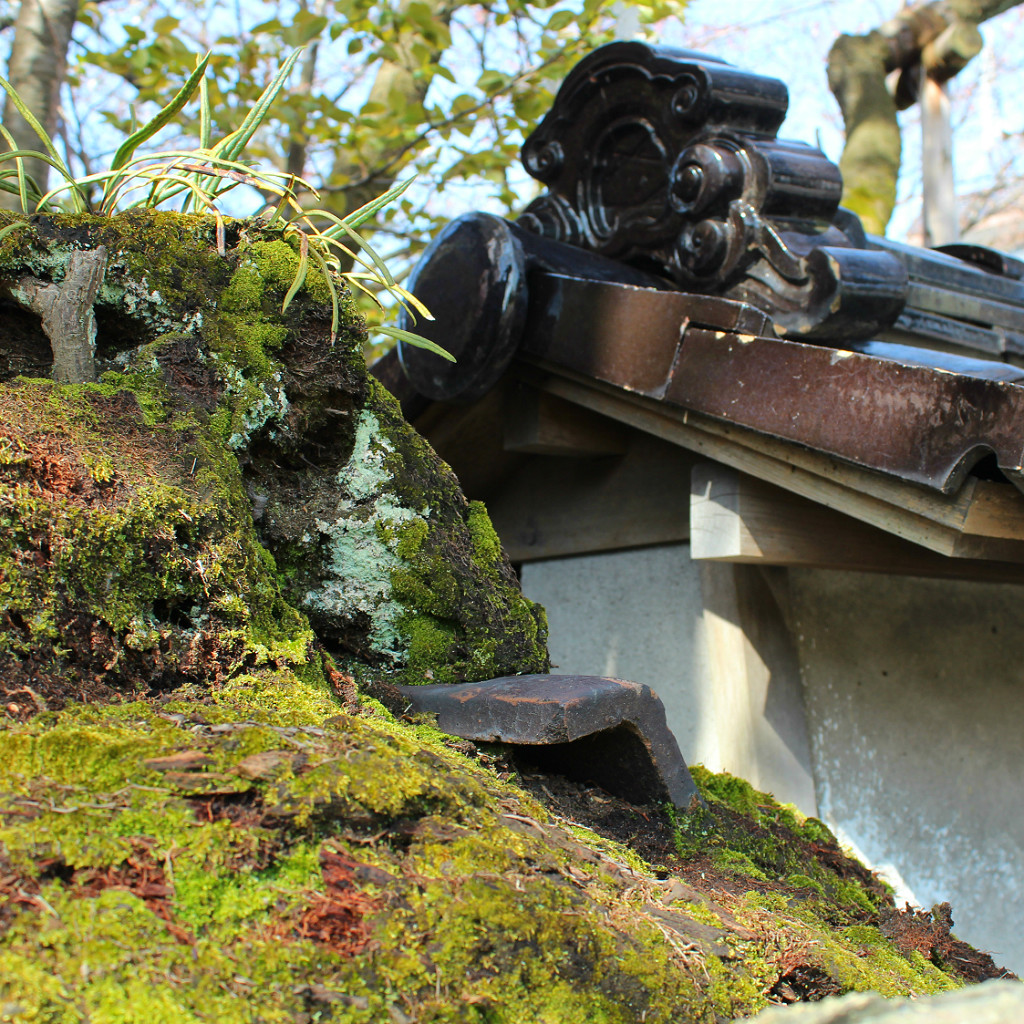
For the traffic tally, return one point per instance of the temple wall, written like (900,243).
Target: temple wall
(914,691)
(891,706)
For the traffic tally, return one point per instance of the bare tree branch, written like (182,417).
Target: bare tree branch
(67,314)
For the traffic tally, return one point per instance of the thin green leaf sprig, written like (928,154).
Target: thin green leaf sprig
(198,178)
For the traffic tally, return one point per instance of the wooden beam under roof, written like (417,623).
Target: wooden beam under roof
(984,520)
(554,507)
(540,424)
(737,518)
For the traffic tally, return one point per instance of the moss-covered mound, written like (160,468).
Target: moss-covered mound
(233,470)
(201,553)
(184,861)
(127,560)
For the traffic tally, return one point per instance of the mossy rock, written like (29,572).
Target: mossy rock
(263,856)
(200,820)
(234,491)
(391,563)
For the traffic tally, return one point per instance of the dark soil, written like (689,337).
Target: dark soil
(804,984)
(644,829)
(30,685)
(98,668)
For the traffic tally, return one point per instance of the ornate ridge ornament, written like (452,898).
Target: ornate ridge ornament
(668,160)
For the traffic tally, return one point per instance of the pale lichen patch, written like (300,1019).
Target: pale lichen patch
(359,560)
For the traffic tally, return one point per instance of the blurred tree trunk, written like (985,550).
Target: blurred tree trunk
(42,33)
(933,40)
(938,184)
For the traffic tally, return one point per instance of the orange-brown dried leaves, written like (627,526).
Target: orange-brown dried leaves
(928,933)
(334,919)
(143,877)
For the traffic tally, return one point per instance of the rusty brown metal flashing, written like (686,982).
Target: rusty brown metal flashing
(609,731)
(928,425)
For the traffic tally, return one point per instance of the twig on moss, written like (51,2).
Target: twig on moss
(67,314)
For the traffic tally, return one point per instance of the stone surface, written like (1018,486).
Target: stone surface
(588,727)
(993,1002)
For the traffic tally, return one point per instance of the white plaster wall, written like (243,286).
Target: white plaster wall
(912,698)
(915,698)
(708,638)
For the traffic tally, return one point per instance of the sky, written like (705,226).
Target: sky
(791,39)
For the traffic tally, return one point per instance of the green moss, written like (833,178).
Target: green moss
(298,694)
(738,862)
(163,268)
(161,554)
(249,339)
(858,957)
(793,865)
(159,550)
(478,919)
(400,548)
(733,994)
(799,881)
(853,894)
(735,793)
(863,960)
(610,848)
(703,913)
(478,905)
(814,830)
(378,547)
(411,536)
(739,796)
(428,656)
(486,544)
(245,290)
(522,947)
(249,330)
